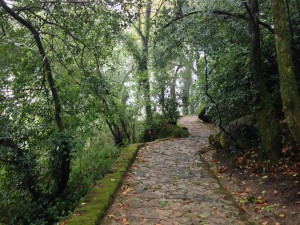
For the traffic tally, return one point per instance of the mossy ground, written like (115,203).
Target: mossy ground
(96,202)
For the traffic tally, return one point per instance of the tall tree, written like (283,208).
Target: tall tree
(266,117)
(143,29)
(288,84)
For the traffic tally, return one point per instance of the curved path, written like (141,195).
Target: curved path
(169,184)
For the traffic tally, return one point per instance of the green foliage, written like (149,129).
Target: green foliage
(90,165)
(109,77)
(230,87)
(171,112)
(98,199)
(34,151)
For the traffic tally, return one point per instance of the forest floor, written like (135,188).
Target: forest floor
(170,184)
(268,194)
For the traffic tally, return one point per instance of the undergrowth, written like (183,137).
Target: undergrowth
(88,166)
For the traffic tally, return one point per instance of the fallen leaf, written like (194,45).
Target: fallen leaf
(222,170)
(243,208)
(281,215)
(126,191)
(111,216)
(265,223)
(125,222)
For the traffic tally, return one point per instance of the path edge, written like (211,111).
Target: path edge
(95,204)
(211,168)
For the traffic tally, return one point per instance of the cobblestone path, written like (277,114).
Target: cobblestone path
(169,184)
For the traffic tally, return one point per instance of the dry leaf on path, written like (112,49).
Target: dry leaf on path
(125,222)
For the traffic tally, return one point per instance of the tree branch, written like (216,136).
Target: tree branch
(63,170)
(45,61)
(8,142)
(221,13)
(140,33)
(8,161)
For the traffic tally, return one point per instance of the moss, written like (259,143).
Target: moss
(224,142)
(171,131)
(96,202)
(288,82)
(214,140)
(202,113)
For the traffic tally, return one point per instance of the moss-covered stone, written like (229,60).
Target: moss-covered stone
(214,140)
(224,140)
(171,131)
(202,115)
(94,206)
(165,131)
(243,131)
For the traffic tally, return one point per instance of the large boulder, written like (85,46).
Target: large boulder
(165,131)
(241,132)
(202,115)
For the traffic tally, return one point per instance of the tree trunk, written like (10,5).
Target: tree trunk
(173,86)
(287,3)
(143,59)
(143,74)
(144,63)
(288,85)
(298,8)
(268,123)
(186,91)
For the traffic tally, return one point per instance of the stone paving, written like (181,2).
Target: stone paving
(169,184)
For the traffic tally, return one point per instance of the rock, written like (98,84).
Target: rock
(206,148)
(202,115)
(214,140)
(243,132)
(165,131)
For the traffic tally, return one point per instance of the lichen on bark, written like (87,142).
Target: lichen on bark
(288,84)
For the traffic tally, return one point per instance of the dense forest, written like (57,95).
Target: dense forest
(81,79)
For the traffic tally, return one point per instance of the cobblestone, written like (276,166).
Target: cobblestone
(169,184)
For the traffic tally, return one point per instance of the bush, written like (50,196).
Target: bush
(88,165)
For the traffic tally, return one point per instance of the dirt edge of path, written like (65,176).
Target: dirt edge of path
(267,196)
